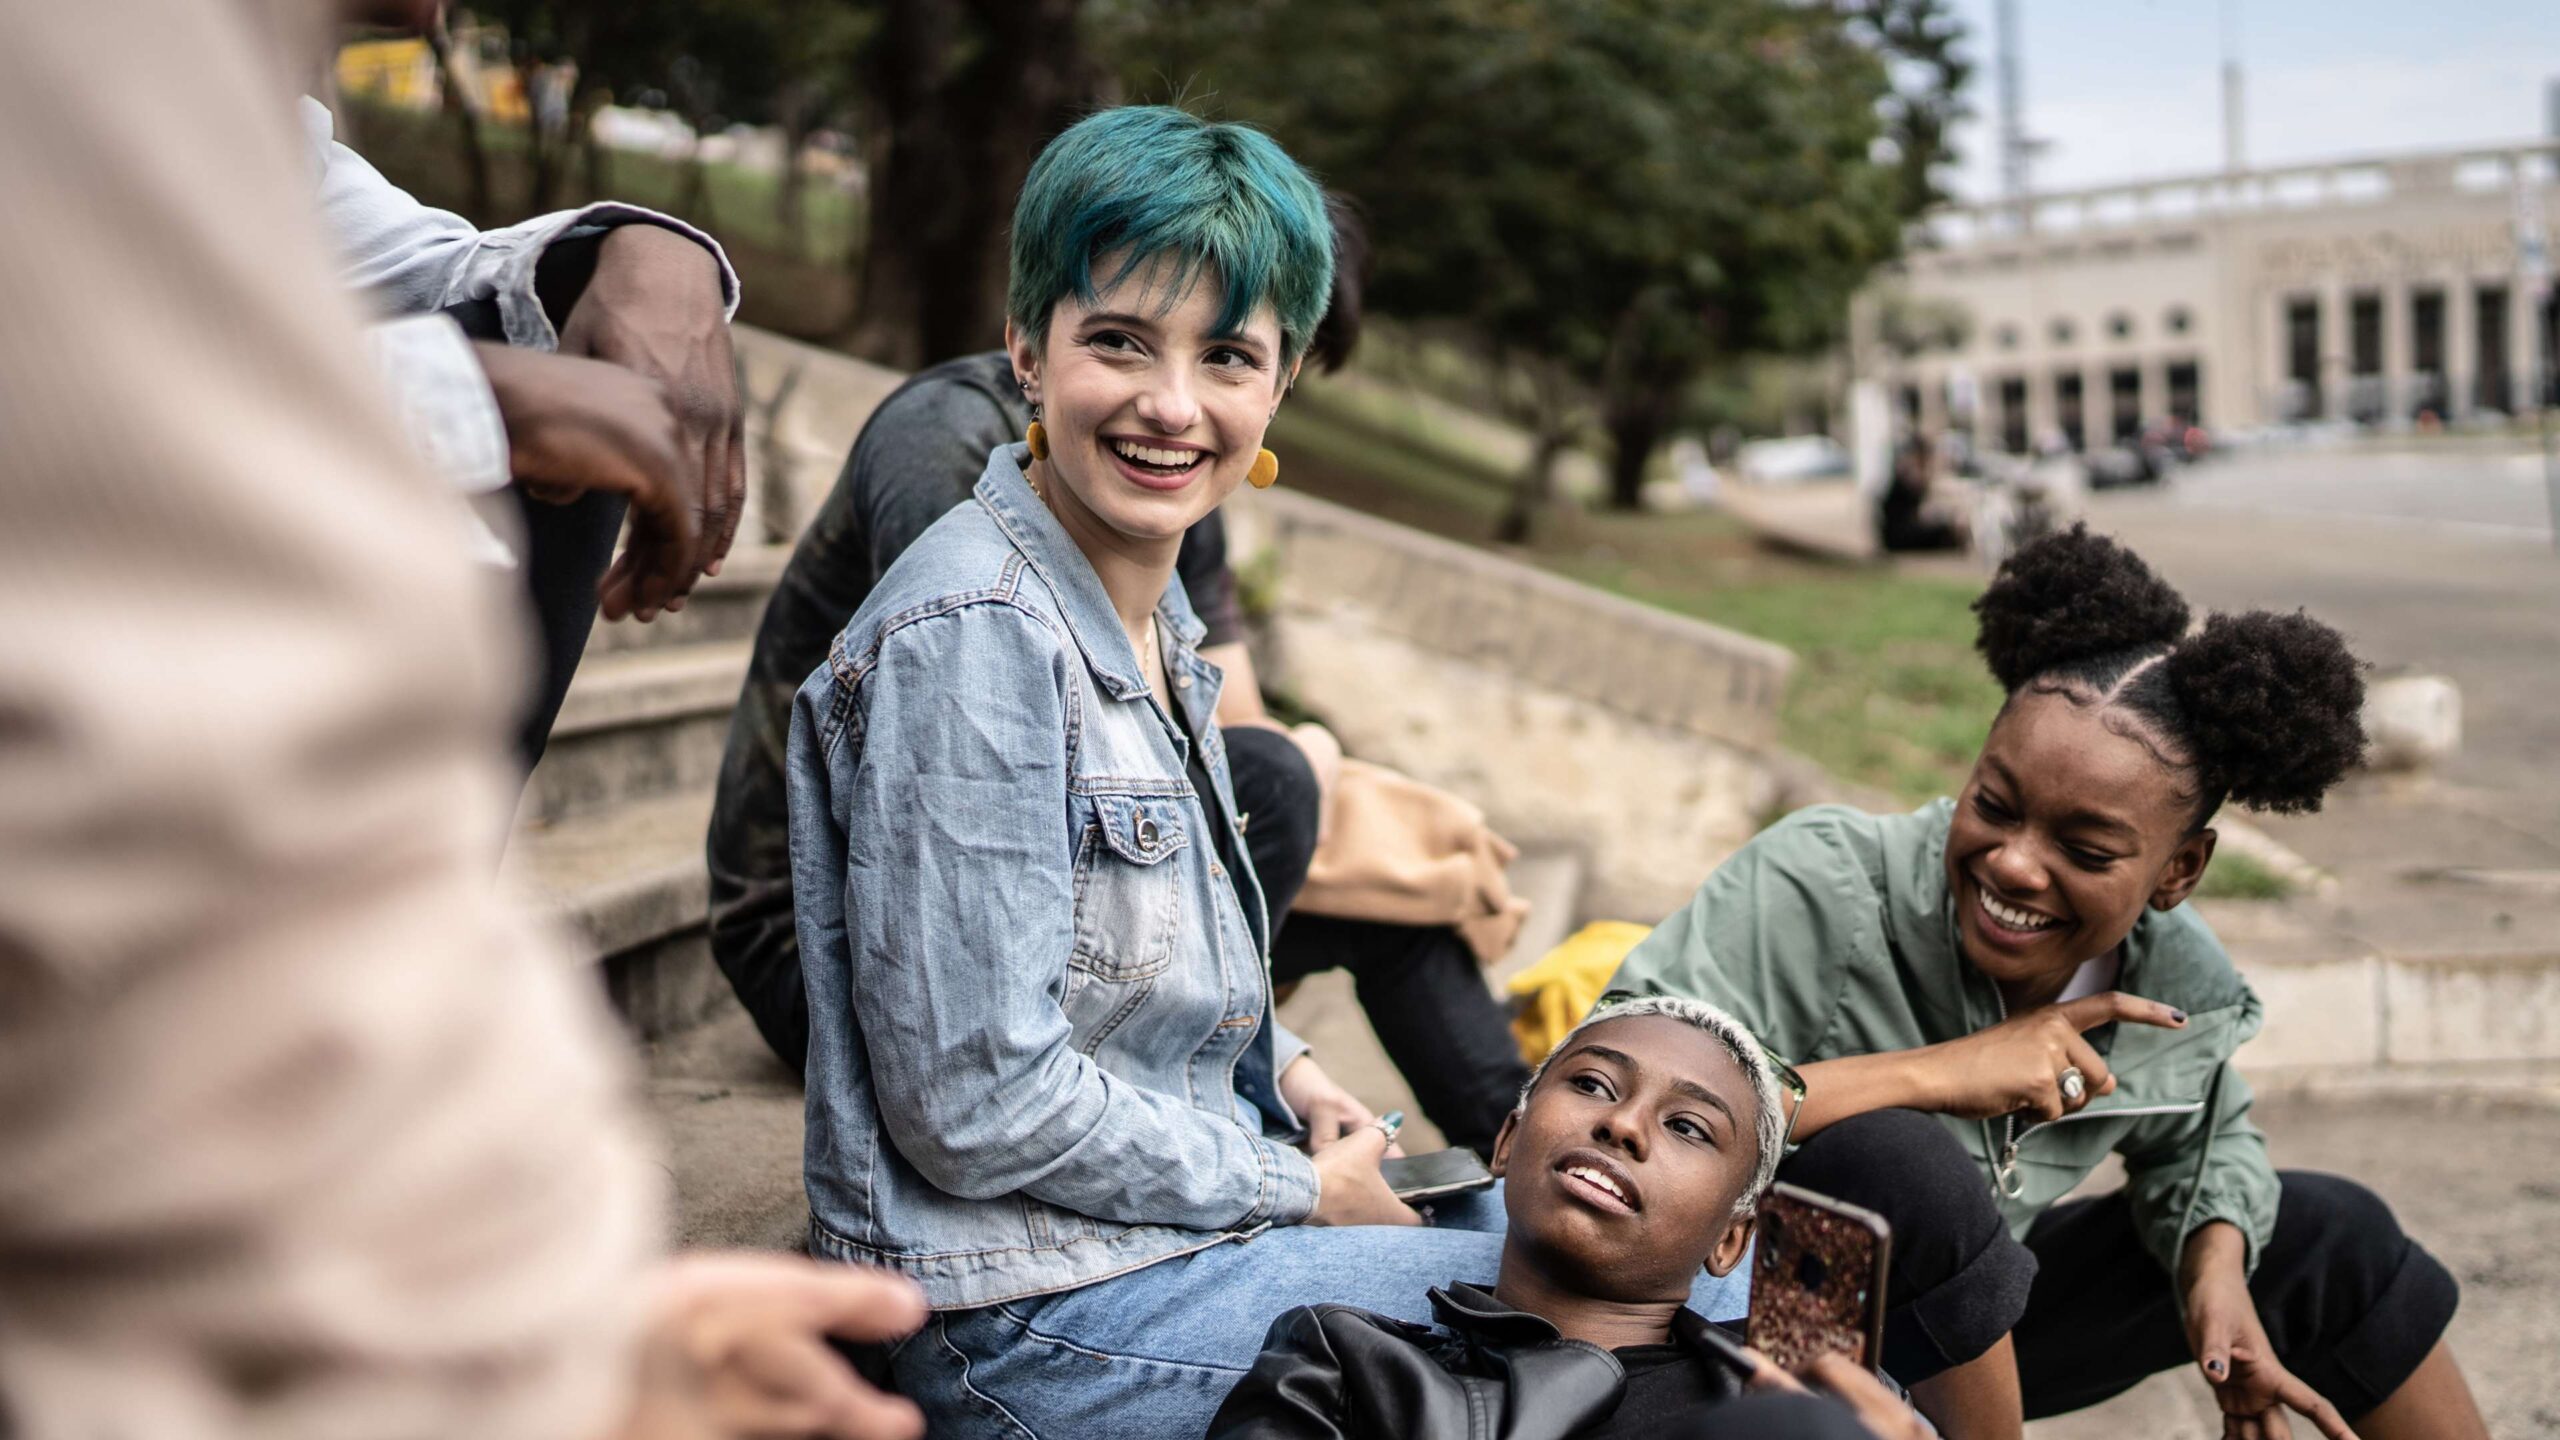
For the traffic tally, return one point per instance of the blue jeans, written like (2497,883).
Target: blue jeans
(1153,1353)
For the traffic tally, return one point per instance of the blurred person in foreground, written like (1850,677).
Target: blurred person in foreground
(1634,1159)
(598,375)
(302,1132)
(1045,1079)
(916,459)
(1992,995)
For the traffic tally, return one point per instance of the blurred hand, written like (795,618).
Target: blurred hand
(737,1348)
(654,307)
(578,425)
(1885,1415)
(1349,1189)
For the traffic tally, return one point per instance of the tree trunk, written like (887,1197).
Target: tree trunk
(954,142)
(1638,417)
(795,115)
(1533,493)
(457,103)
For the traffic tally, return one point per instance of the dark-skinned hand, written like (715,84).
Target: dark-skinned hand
(2230,1343)
(654,306)
(2015,1067)
(579,425)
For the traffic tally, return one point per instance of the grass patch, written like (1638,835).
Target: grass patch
(2234,876)
(1888,691)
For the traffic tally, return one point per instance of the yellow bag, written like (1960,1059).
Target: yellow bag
(1551,997)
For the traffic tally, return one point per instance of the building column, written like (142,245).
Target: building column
(2337,351)
(2522,326)
(2458,345)
(2399,351)
(2155,386)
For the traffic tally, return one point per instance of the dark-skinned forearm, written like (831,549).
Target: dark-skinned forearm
(1836,1090)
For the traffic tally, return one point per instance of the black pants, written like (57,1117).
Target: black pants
(2350,1303)
(566,550)
(1419,984)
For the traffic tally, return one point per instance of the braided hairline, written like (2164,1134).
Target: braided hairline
(2082,685)
(1769,1125)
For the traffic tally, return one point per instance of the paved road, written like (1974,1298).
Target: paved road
(2459,486)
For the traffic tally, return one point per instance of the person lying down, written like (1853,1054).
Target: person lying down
(1634,1159)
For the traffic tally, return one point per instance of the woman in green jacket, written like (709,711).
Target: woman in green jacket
(1989,996)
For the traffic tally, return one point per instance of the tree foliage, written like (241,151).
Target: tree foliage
(1605,198)
(1615,193)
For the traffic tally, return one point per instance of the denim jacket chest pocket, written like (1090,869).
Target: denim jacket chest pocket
(1129,893)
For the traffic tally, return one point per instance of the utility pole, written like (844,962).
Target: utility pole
(2235,156)
(2013,133)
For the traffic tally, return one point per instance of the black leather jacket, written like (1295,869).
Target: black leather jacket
(1332,1372)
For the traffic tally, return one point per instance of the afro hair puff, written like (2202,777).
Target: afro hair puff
(2071,598)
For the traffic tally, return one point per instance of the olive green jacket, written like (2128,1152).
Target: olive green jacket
(1832,934)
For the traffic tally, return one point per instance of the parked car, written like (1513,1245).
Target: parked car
(1792,461)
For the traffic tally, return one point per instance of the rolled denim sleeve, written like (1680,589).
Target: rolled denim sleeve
(414,258)
(950,791)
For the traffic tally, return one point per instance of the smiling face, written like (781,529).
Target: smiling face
(1153,416)
(2065,832)
(1622,1172)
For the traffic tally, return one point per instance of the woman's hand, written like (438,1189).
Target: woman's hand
(2017,1066)
(1327,1110)
(1886,1416)
(2230,1345)
(736,1346)
(1349,1189)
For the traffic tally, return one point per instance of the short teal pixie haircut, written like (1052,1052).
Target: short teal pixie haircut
(1157,182)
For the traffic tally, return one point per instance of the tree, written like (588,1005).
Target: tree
(1606,194)
(961,98)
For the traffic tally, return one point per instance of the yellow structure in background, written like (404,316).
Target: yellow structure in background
(403,73)
(392,72)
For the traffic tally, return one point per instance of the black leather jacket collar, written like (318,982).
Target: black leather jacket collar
(1487,1372)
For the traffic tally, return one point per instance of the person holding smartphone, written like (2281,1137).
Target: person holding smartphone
(1631,1164)
(1991,995)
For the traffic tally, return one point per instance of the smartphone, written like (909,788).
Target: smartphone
(1432,1176)
(1817,1279)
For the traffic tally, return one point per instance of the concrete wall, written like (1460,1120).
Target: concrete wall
(1576,719)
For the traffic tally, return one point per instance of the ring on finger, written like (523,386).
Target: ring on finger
(2075,1086)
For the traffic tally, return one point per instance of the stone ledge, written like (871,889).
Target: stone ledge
(1541,629)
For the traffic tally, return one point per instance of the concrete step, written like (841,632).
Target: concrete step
(637,724)
(1551,881)
(629,882)
(726,606)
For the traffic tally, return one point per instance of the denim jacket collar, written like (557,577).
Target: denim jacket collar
(1006,493)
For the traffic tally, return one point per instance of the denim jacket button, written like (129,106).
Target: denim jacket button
(1181,682)
(1146,833)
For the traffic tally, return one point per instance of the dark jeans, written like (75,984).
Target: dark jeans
(1420,985)
(2350,1303)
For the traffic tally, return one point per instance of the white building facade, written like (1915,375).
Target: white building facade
(2377,290)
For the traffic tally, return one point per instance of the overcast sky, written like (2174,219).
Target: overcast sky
(2130,88)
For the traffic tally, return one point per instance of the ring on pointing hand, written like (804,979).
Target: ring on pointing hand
(2075,1086)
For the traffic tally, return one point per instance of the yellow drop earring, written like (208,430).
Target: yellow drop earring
(1038,440)
(1265,472)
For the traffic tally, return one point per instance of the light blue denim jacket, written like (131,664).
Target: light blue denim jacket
(1035,998)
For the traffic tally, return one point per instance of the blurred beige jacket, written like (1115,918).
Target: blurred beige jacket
(301,1133)
(1400,851)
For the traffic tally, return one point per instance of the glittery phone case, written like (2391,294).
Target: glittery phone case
(1817,1279)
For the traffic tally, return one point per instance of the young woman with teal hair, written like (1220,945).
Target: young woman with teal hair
(1044,1075)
